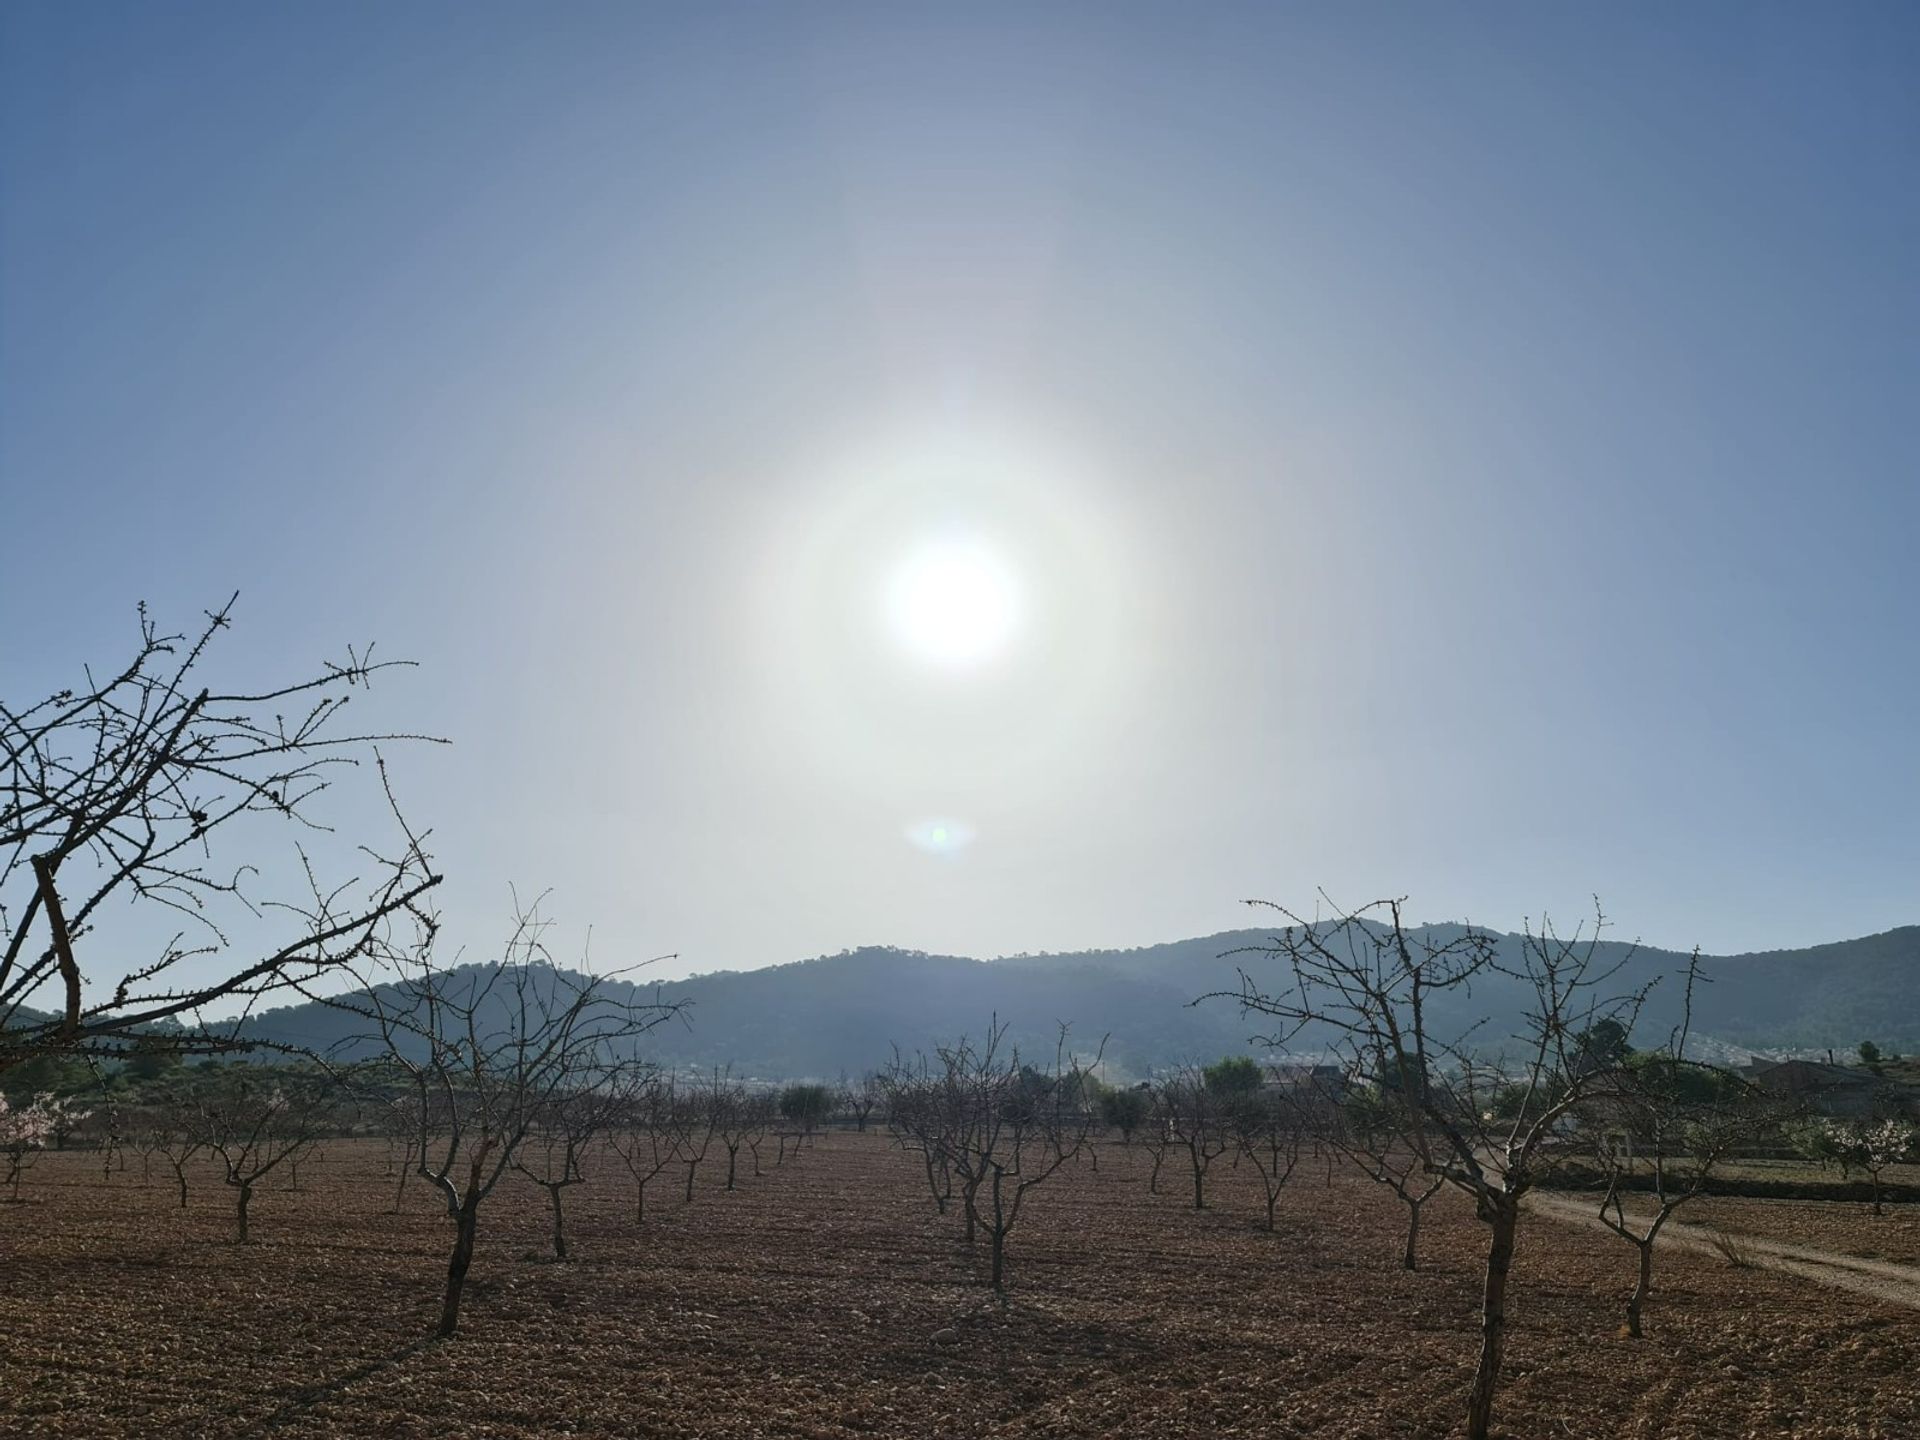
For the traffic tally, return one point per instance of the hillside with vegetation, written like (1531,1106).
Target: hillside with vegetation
(845,1012)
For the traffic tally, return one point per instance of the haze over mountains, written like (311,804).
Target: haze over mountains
(846,1012)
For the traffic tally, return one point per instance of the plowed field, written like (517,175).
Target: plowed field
(825,1298)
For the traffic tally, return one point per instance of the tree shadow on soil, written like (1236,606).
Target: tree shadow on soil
(307,1396)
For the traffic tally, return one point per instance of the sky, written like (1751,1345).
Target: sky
(1463,452)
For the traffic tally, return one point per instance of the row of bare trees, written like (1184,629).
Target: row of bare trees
(1380,1084)
(662,1122)
(250,1121)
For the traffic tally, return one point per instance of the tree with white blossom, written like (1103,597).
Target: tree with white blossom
(25,1131)
(1873,1145)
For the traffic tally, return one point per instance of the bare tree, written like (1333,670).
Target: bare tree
(1662,1102)
(918,1123)
(172,1129)
(106,1125)
(1008,1128)
(564,1126)
(1485,1120)
(1197,1120)
(487,1050)
(860,1096)
(138,1126)
(806,1106)
(1269,1130)
(115,791)
(763,1116)
(763,1111)
(1663,1120)
(733,1116)
(256,1121)
(401,1121)
(695,1119)
(1379,1153)
(1157,1137)
(645,1137)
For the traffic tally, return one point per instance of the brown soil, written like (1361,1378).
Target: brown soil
(1708,1232)
(1851,1228)
(826,1299)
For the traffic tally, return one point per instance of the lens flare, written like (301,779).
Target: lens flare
(940,837)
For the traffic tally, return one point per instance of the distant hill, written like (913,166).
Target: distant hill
(847,1011)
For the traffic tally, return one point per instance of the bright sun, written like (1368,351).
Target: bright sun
(953,602)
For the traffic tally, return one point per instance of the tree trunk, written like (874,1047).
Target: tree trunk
(1199,1179)
(999,1235)
(466,1221)
(692,1165)
(640,1202)
(733,1154)
(1409,1258)
(1273,1198)
(180,1174)
(559,1231)
(246,1198)
(1638,1300)
(1503,1214)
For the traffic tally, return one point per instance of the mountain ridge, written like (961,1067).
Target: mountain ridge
(819,1016)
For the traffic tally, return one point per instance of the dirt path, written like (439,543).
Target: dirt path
(1877,1279)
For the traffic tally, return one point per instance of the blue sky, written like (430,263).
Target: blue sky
(1466,453)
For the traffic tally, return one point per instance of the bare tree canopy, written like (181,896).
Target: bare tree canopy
(646,1135)
(493,1054)
(1483,1112)
(998,1125)
(255,1123)
(116,792)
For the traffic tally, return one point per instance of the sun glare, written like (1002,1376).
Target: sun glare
(953,603)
